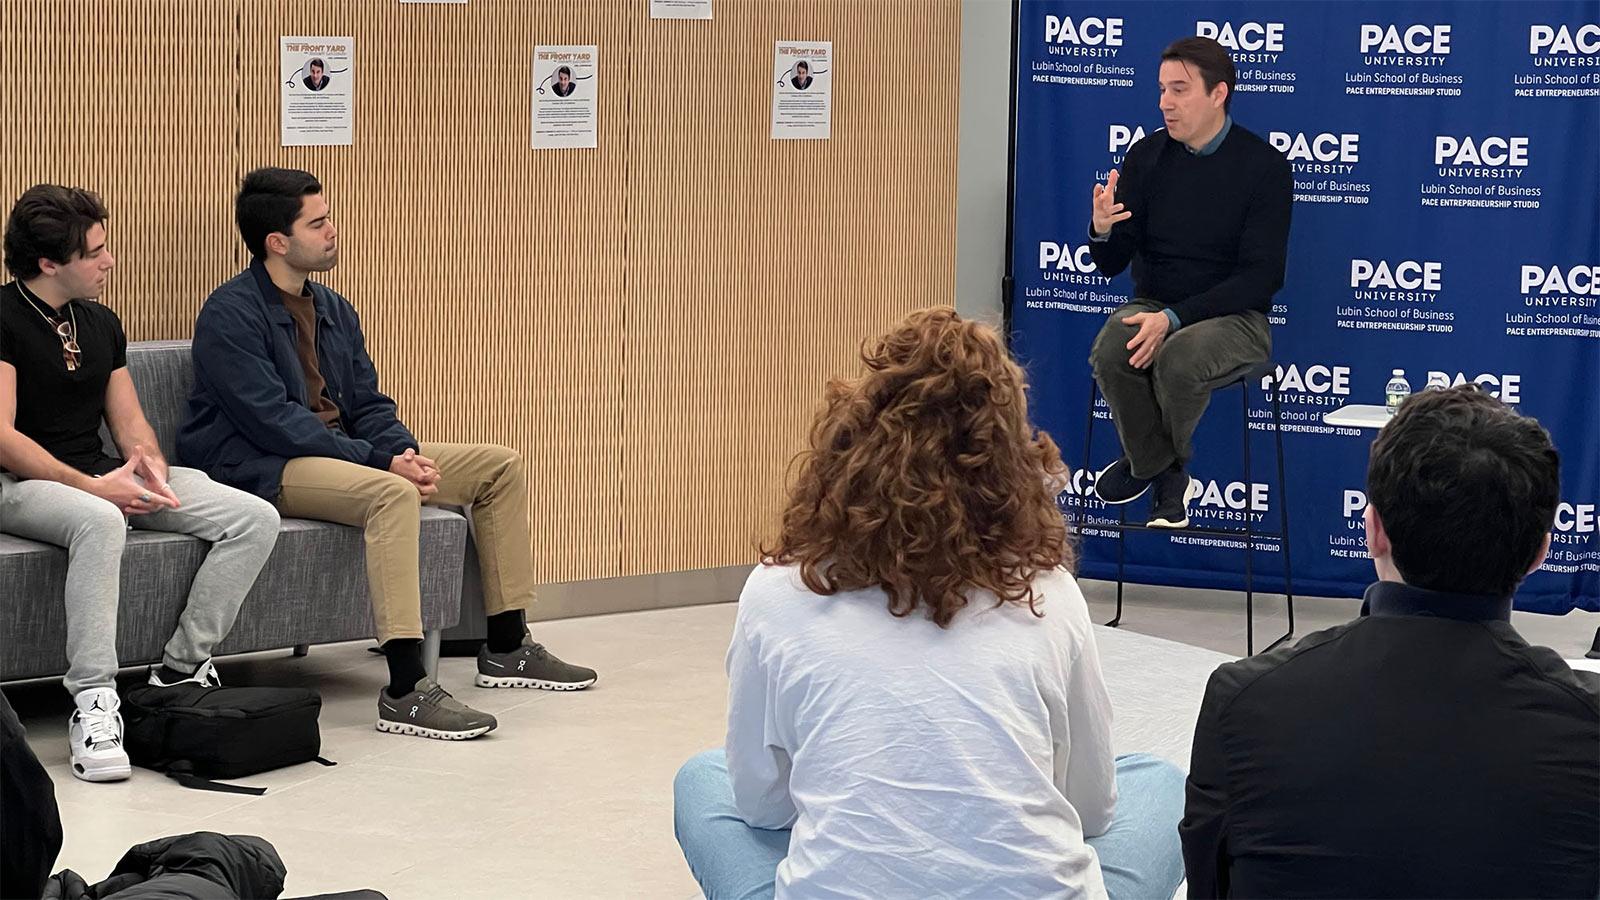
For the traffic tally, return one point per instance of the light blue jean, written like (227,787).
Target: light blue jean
(1140,857)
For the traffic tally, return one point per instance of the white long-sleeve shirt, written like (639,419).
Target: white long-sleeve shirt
(915,761)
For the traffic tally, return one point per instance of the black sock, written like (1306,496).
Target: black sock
(506,631)
(405,665)
(169,675)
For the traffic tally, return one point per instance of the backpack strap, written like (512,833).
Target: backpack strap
(182,772)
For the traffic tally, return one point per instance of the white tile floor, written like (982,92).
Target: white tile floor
(569,798)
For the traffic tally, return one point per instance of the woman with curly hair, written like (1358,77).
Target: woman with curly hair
(915,705)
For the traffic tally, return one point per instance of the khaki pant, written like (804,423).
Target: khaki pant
(488,478)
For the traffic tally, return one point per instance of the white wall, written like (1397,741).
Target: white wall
(985,127)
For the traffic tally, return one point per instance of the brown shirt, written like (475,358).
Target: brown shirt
(304,312)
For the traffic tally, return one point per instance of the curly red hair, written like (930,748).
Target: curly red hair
(925,477)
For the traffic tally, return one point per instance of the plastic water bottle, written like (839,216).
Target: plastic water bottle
(1396,391)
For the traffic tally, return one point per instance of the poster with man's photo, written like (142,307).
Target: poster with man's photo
(317,83)
(565,101)
(802,90)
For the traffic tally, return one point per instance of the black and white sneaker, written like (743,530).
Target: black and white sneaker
(95,734)
(1115,483)
(205,675)
(1170,506)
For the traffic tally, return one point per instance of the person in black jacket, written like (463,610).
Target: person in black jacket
(286,406)
(1201,209)
(1424,749)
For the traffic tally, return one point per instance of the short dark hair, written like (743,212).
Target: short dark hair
(269,202)
(52,222)
(566,70)
(1215,65)
(802,64)
(1467,490)
(318,63)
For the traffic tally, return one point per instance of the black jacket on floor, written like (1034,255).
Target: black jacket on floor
(1423,750)
(30,823)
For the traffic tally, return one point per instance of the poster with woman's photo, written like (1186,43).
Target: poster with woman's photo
(317,83)
(802,90)
(564,96)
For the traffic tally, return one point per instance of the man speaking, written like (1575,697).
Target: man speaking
(1201,209)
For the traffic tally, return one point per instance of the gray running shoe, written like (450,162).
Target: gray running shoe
(530,666)
(430,712)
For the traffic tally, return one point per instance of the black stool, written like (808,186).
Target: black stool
(1266,370)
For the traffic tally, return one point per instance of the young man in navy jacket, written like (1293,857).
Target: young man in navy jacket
(286,406)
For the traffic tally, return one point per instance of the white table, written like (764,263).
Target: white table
(1358,415)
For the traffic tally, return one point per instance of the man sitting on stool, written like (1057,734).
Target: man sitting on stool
(1201,209)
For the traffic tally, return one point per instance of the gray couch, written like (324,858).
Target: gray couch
(312,591)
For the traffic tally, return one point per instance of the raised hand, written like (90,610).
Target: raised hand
(1107,211)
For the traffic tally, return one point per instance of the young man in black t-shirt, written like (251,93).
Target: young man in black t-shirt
(63,369)
(1201,210)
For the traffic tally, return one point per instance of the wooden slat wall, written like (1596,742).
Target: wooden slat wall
(757,266)
(94,94)
(650,322)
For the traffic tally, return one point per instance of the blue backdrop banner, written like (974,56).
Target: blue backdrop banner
(1446,165)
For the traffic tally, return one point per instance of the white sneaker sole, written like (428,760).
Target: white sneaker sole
(1189,494)
(492,681)
(436,734)
(102,773)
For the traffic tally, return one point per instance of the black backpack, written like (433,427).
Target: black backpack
(195,733)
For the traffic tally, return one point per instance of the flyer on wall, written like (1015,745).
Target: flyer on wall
(565,104)
(802,90)
(317,83)
(680,9)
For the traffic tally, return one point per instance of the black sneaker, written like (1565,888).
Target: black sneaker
(530,666)
(1116,484)
(1169,507)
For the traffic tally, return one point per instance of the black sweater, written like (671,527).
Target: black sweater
(1209,234)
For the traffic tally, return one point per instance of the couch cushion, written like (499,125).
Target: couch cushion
(313,590)
(163,374)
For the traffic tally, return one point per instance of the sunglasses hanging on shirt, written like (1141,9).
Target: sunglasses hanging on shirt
(66,329)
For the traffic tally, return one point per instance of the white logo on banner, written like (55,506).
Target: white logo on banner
(1089,31)
(1419,40)
(1449,150)
(1355,503)
(1317,379)
(1065,257)
(1233,501)
(1120,137)
(1407,274)
(1549,40)
(1576,517)
(1507,387)
(1325,147)
(1579,280)
(1252,36)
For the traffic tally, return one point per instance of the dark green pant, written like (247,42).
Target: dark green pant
(1157,408)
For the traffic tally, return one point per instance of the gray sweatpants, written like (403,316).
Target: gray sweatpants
(241,528)
(1157,408)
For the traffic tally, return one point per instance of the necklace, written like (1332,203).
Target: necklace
(69,342)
